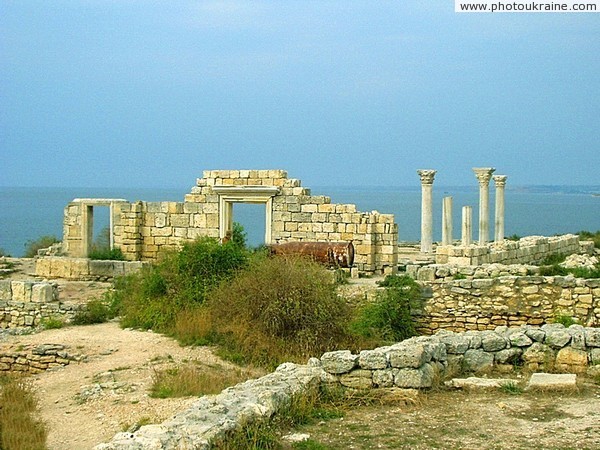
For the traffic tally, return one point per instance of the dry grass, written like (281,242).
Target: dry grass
(193,380)
(20,429)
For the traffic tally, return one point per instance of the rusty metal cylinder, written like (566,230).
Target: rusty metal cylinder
(336,254)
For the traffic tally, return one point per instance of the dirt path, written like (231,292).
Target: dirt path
(87,403)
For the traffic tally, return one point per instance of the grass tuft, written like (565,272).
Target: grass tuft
(20,429)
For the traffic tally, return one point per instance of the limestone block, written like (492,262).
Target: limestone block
(556,335)
(455,343)
(408,355)
(42,293)
(21,291)
(592,337)
(548,381)
(492,342)
(339,362)
(478,361)
(415,378)
(571,360)
(101,268)
(5,290)
(384,378)
(508,356)
(520,339)
(535,333)
(577,333)
(372,359)
(75,268)
(477,383)
(357,379)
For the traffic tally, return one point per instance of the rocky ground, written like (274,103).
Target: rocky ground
(86,403)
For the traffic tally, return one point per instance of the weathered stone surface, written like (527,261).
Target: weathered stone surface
(403,355)
(592,337)
(384,378)
(455,344)
(520,339)
(478,383)
(508,356)
(536,334)
(492,342)
(595,356)
(338,362)
(556,335)
(415,378)
(538,355)
(549,381)
(577,333)
(478,361)
(357,379)
(571,360)
(372,359)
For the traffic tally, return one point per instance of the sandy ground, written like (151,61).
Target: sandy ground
(86,403)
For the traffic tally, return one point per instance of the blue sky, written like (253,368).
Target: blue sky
(150,93)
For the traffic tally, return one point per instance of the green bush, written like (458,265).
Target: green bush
(388,317)
(589,236)
(153,297)
(112,254)
(52,323)
(95,311)
(32,246)
(278,309)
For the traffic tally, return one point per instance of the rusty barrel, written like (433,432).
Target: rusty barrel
(337,254)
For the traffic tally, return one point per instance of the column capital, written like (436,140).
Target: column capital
(483,174)
(500,180)
(426,175)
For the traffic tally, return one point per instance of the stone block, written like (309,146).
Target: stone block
(592,337)
(357,379)
(338,362)
(5,290)
(21,291)
(372,359)
(42,293)
(492,342)
(415,378)
(408,355)
(383,378)
(551,381)
(556,335)
(478,361)
(571,360)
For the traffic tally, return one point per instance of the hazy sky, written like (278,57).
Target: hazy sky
(139,93)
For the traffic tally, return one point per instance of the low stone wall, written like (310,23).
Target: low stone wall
(483,304)
(528,250)
(451,272)
(84,269)
(417,362)
(27,303)
(214,415)
(413,363)
(35,359)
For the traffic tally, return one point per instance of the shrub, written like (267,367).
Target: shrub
(112,254)
(589,236)
(285,308)
(552,260)
(95,311)
(564,319)
(153,297)
(52,323)
(32,246)
(388,317)
(19,428)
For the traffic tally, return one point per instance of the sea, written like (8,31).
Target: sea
(26,213)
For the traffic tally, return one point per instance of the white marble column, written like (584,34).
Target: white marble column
(467,225)
(484,174)
(447,221)
(427,177)
(500,182)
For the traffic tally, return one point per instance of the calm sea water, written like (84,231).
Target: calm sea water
(28,213)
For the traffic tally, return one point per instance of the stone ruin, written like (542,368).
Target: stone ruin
(142,229)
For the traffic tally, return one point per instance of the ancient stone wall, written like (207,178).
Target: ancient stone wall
(483,304)
(27,303)
(35,359)
(414,363)
(83,269)
(143,229)
(528,250)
